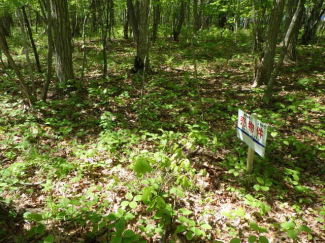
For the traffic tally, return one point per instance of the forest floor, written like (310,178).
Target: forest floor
(155,157)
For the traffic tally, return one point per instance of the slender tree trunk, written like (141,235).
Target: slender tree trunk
(312,22)
(141,62)
(133,20)
(156,19)
(30,33)
(62,40)
(111,19)
(288,36)
(84,56)
(291,54)
(180,21)
(23,86)
(49,52)
(29,64)
(126,25)
(265,65)
(196,21)
(105,27)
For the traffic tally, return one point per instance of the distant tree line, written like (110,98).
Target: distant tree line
(271,22)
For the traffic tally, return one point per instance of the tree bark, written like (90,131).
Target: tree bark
(156,19)
(49,52)
(62,40)
(265,65)
(105,27)
(180,21)
(141,62)
(312,22)
(126,25)
(30,34)
(29,64)
(133,20)
(196,22)
(23,86)
(289,34)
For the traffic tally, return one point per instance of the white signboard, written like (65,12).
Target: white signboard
(252,132)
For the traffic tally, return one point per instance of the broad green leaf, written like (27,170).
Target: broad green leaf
(206,226)
(254,226)
(263,239)
(235,240)
(274,134)
(146,195)
(128,233)
(180,229)
(252,239)
(49,239)
(305,228)
(292,234)
(142,166)
(185,211)
(124,203)
(288,225)
(116,239)
(260,180)
(133,205)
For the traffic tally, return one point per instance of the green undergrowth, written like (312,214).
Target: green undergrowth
(155,157)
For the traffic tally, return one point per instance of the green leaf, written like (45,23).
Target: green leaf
(142,166)
(265,188)
(240,212)
(254,226)
(292,234)
(305,228)
(235,240)
(206,226)
(260,180)
(262,230)
(124,203)
(252,239)
(147,195)
(263,239)
(288,225)
(49,239)
(133,205)
(128,233)
(185,211)
(274,134)
(180,229)
(129,216)
(116,239)
(189,235)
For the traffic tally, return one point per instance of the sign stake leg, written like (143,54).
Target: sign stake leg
(250,158)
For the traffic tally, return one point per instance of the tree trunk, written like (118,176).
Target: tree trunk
(133,20)
(291,54)
(312,22)
(30,33)
(62,40)
(141,62)
(180,21)
(84,56)
(156,19)
(29,64)
(49,52)
(126,25)
(23,86)
(265,65)
(196,22)
(105,27)
(289,34)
